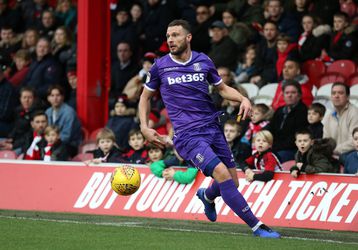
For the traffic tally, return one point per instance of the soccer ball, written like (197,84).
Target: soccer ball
(125,180)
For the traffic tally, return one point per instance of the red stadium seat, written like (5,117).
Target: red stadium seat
(85,133)
(314,70)
(87,146)
(330,78)
(344,67)
(8,154)
(93,134)
(353,80)
(83,157)
(287,165)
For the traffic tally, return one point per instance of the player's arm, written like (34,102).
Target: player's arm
(232,94)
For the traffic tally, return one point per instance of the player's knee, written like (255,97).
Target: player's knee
(221,173)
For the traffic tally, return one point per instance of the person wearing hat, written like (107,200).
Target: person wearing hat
(223,49)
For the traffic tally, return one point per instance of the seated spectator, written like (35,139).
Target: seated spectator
(66,14)
(223,50)
(65,117)
(315,116)
(8,102)
(9,44)
(61,44)
(107,150)
(263,159)
(72,81)
(342,43)
(35,137)
(201,39)
(351,161)
(138,153)
(121,122)
(22,60)
(47,24)
(285,51)
(155,153)
(287,120)
(54,149)
(164,169)
(22,121)
(340,123)
(259,119)
(313,156)
(29,41)
(44,70)
(232,132)
(248,66)
(313,39)
(291,71)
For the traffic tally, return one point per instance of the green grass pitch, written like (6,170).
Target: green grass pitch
(38,230)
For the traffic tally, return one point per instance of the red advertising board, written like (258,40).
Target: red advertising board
(315,201)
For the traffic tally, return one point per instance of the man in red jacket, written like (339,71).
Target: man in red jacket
(291,71)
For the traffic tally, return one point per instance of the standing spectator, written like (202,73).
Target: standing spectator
(287,23)
(66,14)
(54,149)
(200,30)
(223,49)
(292,71)
(7,104)
(287,120)
(266,52)
(315,116)
(313,156)
(340,123)
(122,71)
(48,24)
(29,41)
(44,70)
(342,44)
(65,117)
(9,44)
(351,162)
(313,39)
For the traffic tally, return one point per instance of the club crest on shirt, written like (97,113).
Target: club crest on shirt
(197,66)
(199,157)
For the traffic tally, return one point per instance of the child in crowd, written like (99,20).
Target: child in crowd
(314,156)
(232,131)
(155,153)
(263,159)
(138,153)
(351,161)
(285,50)
(122,121)
(54,150)
(248,67)
(314,116)
(164,169)
(259,119)
(107,150)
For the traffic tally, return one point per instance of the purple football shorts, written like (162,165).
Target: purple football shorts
(204,148)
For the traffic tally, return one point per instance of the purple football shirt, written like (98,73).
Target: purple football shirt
(184,88)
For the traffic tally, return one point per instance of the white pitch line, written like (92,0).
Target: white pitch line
(140,225)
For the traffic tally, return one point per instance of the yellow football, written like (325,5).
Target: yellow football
(125,180)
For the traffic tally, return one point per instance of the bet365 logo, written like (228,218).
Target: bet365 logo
(186,78)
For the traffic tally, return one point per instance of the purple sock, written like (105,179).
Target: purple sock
(213,191)
(234,199)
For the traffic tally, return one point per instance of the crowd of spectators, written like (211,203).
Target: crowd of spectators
(249,41)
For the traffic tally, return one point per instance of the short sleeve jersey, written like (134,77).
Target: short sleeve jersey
(184,88)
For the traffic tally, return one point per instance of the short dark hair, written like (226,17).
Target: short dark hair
(58,87)
(234,124)
(293,83)
(304,132)
(354,131)
(38,113)
(28,89)
(180,22)
(318,108)
(342,15)
(346,87)
(263,108)
(134,131)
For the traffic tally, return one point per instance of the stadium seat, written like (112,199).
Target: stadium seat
(93,134)
(251,89)
(353,80)
(354,95)
(330,78)
(87,146)
(83,157)
(266,94)
(85,133)
(287,165)
(344,67)
(8,154)
(314,70)
(323,96)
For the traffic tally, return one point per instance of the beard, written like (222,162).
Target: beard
(180,49)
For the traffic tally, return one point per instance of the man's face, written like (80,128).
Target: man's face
(274,8)
(39,123)
(290,70)
(339,97)
(26,99)
(124,52)
(55,98)
(270,32)
(178,40)
(202,14)
(42,48)
(47,19)
(217,34)
(6,35)
(122,17)
(339,23)
(307,23)
(291,95)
